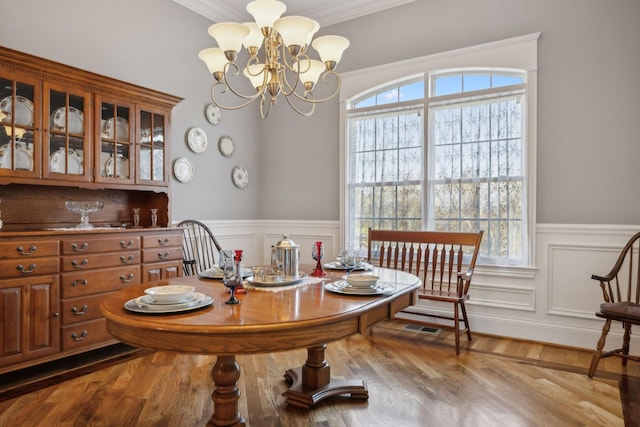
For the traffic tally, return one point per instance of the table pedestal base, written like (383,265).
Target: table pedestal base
(312,382)
(225,375)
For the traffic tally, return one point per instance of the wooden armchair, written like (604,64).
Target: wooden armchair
(621,294)
(443,260)
(199,247)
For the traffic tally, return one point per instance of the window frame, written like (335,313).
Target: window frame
(519,53)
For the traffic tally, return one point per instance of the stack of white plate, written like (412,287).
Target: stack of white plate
(342,287)
(168,299)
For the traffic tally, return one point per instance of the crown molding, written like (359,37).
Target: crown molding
(327,12)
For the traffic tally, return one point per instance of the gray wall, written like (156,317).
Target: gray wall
(152,43)
(588,101)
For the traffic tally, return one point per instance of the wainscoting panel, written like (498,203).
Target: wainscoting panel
(553,301)
(572,292)
(513,298)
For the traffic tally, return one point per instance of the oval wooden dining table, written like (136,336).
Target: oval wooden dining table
(266,320)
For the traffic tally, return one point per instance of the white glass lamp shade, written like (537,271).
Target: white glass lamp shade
(229,35)
(255,73)
(255,37)
(312,74)
(214,58)
(294,30)
(330,48)
(265,12)
(313,32)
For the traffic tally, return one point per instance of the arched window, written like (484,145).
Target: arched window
(446,150)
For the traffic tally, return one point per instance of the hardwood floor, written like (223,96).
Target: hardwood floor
(414,379)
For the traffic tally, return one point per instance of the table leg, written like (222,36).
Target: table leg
(225,375)
(312,382)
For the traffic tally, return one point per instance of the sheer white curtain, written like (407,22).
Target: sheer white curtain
(476,160)
(386,177)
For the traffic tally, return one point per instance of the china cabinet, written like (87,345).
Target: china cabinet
(71,130)
(68,134)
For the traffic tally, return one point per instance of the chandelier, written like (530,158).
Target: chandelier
(279,60)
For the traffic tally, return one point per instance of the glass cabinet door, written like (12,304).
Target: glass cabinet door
(67,118)
(19,128)
(152,128)
(115,158)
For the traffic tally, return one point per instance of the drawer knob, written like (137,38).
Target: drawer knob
(81,264)
(29,270)
(80,337)
(163,242)
(31,250)
(83,282)
(164,255)
(81,311)
(79,248)
(127,260)
(127,278)
(125,245)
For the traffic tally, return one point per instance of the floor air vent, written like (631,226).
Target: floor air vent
(424,329)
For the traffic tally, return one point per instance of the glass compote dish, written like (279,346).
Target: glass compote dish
(84,209)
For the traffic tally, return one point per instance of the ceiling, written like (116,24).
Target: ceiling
(326,12)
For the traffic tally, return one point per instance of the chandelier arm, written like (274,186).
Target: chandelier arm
(313,100)
(264,114)
(287,88)
(225,87)
(297,110)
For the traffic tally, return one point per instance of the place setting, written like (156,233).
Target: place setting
(354,256)
(168,299)
(360,284)
(357,284)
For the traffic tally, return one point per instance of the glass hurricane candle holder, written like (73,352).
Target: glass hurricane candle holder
(154,217)
(136,217)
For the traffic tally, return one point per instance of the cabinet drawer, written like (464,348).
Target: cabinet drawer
(85,334)
(96,281)
(81,309)
(161,240)
(29,249)
(85,262)
(28,267)
(81,245)
(161,254)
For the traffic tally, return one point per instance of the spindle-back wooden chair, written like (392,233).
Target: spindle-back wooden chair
(443,260)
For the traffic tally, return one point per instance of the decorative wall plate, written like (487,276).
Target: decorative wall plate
(197,140)
(240,176)
(183,169)
(213,113)
(226,146)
